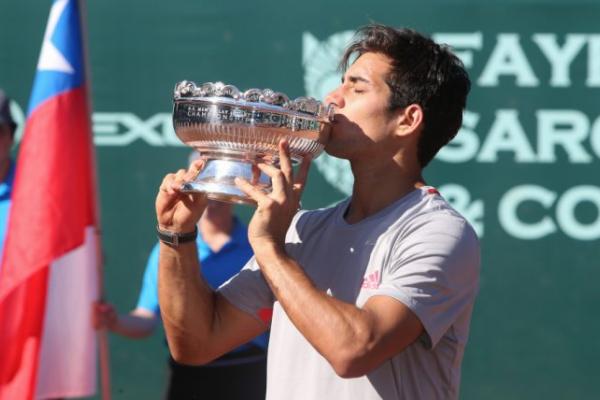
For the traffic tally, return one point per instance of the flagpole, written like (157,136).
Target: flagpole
(103,347)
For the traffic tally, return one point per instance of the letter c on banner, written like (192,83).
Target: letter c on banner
(507,212)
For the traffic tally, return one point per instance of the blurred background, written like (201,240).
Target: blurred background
(523,170)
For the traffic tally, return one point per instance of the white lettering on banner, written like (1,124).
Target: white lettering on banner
(568,130)
(595,137)
(508,58)
(565,212)
(121,129)
(509,220)
(506,134)
(565,128)
(118,128)
(560,58)
(593,78)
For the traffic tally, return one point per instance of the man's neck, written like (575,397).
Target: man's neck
(377,185)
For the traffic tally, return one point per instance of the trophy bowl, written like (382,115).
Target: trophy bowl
(234,130)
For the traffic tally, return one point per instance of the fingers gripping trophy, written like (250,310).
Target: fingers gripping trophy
(246,135)
(248,142)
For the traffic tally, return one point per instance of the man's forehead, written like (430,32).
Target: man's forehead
(370,66)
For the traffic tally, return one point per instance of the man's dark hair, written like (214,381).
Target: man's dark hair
(423,73)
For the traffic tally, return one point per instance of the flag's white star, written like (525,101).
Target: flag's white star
(51,59)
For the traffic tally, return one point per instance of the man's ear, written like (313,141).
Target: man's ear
(410,120)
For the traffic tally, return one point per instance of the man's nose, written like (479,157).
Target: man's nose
(335,97)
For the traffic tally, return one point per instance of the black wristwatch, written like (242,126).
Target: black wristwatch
(174,238)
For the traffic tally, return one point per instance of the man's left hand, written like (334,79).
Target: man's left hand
(275,210)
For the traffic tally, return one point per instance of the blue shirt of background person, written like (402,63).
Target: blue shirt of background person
(217,268)
(5,194)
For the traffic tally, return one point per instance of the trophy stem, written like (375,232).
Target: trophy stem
(217,180)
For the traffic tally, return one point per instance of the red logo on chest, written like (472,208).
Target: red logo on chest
(371,281)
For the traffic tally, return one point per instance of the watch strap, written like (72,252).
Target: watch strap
(176,238)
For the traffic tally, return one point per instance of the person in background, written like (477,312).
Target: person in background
(223,249)
(7,165)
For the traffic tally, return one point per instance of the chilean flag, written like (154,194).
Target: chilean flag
(49,275)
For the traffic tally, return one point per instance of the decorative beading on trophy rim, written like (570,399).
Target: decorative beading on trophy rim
(305,105)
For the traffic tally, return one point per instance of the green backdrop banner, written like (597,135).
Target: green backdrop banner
(523,169)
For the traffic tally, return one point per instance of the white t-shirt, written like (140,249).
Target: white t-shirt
(418,251)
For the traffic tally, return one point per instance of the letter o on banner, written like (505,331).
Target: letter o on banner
(507,212)
(565,212)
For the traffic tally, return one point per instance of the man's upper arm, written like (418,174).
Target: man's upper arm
(394,327)
(249,292)
(243,308)
(233,327)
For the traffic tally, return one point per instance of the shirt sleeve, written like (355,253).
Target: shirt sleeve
(148,298)
(249,292)
(434,270)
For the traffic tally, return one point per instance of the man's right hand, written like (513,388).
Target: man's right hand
(177,211)
(104,316)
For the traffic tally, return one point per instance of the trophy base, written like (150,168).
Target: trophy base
(217,180)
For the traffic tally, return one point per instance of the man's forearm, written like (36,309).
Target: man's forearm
(187,303)
(134,326)
(341,332)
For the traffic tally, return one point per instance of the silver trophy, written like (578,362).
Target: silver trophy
(234,130)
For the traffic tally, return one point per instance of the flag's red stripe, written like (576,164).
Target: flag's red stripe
(52,200)
(20,336)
